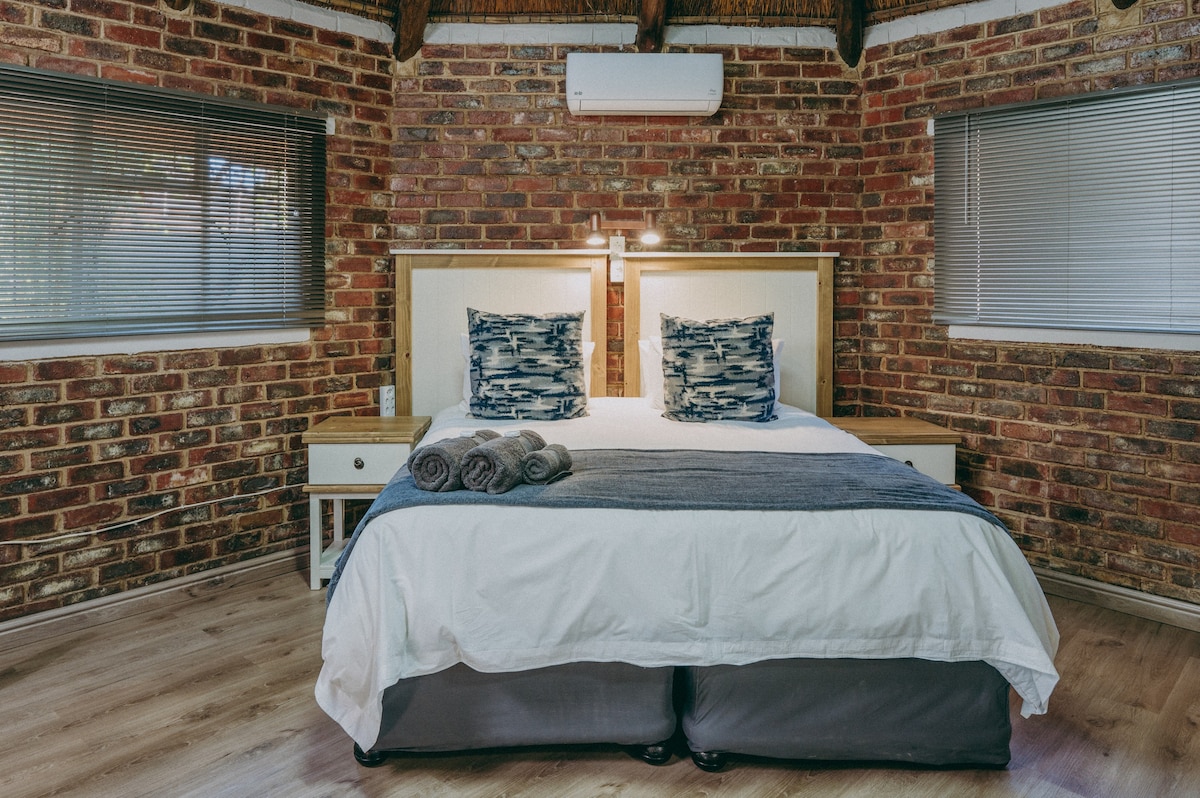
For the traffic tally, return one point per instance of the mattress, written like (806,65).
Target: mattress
(504,589)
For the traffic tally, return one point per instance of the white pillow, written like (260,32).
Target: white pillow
(650,369)
(588,348)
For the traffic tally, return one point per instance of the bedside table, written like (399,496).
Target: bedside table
(924,446)
(351,457)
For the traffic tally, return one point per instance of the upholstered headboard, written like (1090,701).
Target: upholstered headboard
(434,288)
(796,287)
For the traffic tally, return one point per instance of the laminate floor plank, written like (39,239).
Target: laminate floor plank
(214,697)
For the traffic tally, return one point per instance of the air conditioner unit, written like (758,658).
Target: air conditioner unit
(655,84)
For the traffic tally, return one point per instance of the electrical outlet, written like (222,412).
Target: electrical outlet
(616,269)
(387,400)
(616,259)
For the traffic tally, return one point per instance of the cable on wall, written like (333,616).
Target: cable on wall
(70,535)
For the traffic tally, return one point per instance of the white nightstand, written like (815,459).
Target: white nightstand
(351,457)
(924,446)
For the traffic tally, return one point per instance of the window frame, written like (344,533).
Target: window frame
(1088,279)
(136,211)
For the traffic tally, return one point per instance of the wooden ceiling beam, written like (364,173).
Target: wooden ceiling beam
(850,15)
(652,17)
(410,20)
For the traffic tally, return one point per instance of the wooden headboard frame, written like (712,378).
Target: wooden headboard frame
(797,287)
(485,279)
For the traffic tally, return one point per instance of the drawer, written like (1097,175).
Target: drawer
(932,459)
(355,463)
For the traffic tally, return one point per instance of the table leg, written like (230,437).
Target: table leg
(314,541)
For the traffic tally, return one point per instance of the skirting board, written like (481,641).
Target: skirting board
(64,620)
(1112,597)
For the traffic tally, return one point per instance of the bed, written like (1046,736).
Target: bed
(733,618)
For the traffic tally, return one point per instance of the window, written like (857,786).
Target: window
(1078,213)
(126,210)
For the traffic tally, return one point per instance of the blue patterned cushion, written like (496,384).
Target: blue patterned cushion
(719,370)
(525,366)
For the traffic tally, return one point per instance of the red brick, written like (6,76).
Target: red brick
(724,200)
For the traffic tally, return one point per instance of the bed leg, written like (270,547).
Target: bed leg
(653,754)
(369,759)
(711,761)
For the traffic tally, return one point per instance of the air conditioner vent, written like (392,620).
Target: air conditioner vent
(652,84)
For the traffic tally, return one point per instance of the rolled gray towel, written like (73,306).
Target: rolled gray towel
(495,466)
(438,466)
(547,464)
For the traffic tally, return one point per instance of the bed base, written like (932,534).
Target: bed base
(901,710)
(577,703)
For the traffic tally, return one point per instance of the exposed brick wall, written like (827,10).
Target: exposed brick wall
(89,442)
(487,155)
(1091,456)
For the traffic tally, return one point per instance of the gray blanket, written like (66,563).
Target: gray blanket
(705,480)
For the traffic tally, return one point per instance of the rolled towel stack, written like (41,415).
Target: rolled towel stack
(495,465)
(438,466)
(547,464)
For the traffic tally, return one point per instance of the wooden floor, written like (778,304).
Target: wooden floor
(214,698)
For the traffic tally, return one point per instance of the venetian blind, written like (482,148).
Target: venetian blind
(1079,213)
(130,210)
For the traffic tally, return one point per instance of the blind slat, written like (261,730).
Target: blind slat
(1077,213)
(127,210)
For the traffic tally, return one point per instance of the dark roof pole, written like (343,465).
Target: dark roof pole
(850,15)
(409,23)
(652,15)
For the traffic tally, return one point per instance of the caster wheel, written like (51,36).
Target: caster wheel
(710,761)
(655,754)
(368,759)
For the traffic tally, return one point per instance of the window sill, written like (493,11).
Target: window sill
(135,344)
(1124,340)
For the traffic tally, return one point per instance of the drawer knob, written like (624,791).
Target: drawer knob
(358,463)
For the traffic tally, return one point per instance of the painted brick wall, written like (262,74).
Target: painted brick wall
(90,442)
(1091,456)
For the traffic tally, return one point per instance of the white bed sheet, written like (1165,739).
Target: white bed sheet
(615,423)
(510,588)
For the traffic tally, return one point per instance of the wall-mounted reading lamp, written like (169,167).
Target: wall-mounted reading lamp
(616,240)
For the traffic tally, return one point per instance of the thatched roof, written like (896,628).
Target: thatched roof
(761,13)
(847,17)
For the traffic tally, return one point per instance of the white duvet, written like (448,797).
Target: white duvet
(512,588)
